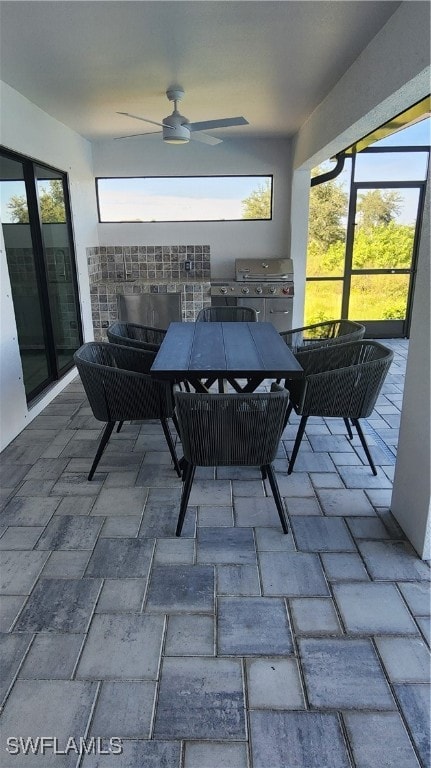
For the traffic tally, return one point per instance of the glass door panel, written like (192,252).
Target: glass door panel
(385,228)
(391,166)
(379,266)
(323,300)
(25,285)
(59,263)
(378,296)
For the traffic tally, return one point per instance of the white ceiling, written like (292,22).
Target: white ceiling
(272,62)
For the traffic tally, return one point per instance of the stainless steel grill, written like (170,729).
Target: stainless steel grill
(265,284)
(264,270)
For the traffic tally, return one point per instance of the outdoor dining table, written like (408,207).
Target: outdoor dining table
(243,354)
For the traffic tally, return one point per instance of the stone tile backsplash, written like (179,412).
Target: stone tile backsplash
(149,262)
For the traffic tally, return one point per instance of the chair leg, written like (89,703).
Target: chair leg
(277,498)
(171,446)
(102,445)
(349,429)
(299,436)
(264,473)
(120,424)
(189,474)
(356,424)
(176,425)
(288,412)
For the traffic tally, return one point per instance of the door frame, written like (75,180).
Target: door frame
(381,328)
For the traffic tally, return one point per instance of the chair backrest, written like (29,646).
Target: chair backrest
(135,335)
(323,334)
(118,385)
(227,315)
(231,429)
(343,380)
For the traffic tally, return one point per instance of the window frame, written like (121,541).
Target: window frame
(262,176)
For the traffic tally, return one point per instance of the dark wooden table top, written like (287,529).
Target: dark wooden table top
(253,351)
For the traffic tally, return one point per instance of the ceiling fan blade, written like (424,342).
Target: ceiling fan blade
(205,138)
(146,120)
(132,135)
(226,122)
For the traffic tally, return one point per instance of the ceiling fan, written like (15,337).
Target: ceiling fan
(177,129)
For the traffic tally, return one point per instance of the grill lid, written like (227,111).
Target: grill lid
(264,269)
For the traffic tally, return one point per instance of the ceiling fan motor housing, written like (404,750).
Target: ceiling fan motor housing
(175,129)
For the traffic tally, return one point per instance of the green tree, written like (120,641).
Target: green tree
(51,204)
(258,204)
(328,207)
(386,246)
(18,209)
(377,208)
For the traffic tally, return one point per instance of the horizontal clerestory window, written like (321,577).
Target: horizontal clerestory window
(184,198)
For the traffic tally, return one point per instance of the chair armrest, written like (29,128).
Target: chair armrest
(134,395)
(348,392)
(324,358)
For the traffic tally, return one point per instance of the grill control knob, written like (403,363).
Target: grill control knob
(272,289)
(223,290)
(286,290)
(245,290)
(259,289)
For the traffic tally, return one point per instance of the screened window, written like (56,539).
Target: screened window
(191,198)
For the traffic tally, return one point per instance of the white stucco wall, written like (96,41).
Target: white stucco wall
(29,131)
(150,156)
(411,496)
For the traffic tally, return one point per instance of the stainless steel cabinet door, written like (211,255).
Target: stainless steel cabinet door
(155,309)
(279,313)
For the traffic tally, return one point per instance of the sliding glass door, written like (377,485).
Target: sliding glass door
(39,250)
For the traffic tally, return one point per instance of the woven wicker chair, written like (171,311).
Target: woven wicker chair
(119,387)
(343,381)
(227,315)
(230,430)
(323,334)
(134,335)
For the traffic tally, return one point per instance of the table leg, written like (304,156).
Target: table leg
(251,386)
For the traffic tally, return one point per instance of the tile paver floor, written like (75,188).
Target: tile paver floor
(233,646)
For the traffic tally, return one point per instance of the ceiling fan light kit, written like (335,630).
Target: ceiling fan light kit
(174,136)
(177,129)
